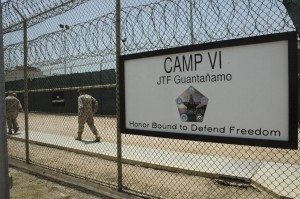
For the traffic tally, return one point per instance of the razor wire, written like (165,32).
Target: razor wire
(90,46)
(34,11)
(162,24)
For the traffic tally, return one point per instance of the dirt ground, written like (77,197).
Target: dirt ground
(67,125)
(146,181)
(29,186)
(150,183)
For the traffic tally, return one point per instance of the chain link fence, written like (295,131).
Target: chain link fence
(71,45)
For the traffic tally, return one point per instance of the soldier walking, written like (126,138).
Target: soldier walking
(13,106)
(87,106)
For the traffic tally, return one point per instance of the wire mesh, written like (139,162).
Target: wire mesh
(57,69)
(71,45)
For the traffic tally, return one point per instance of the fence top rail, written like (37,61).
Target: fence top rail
(68,88)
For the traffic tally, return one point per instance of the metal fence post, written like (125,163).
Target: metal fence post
(293,10)
(25,82)
(4,180)
(191,2)
(26,90)
(119,136)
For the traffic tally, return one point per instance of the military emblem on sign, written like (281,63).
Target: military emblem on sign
(191,105)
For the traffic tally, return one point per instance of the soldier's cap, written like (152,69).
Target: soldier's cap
(80,91)
(10,92)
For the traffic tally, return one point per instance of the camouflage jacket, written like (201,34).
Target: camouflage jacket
(13,105)
(87,104)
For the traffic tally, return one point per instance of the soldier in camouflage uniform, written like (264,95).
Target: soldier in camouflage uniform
(13,106)
(87,106)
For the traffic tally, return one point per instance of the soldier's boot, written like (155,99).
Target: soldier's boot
(97,135)
(78,137)
(95,132)
(97,138)
(9,132)
(17,129)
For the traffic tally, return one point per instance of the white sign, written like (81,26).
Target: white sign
(237,93)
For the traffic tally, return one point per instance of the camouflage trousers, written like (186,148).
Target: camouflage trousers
(89,119)
(12,123)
